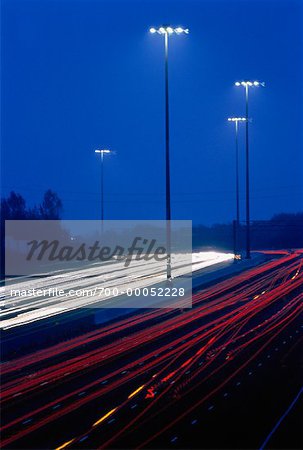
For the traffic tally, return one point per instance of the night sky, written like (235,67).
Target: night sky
(81,74)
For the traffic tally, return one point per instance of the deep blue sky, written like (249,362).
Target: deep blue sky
(81,74)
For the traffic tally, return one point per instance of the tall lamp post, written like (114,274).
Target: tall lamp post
(102,152)
(166,31)
(247,85)
(236,121)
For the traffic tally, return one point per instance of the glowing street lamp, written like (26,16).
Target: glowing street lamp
(102,152)
(236,121)
(247,85)
(167,31)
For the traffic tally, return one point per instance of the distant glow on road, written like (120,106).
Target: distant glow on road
(207,259)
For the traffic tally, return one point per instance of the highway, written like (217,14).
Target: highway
(167,378)
(17,310)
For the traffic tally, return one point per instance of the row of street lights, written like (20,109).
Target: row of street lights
(166,32)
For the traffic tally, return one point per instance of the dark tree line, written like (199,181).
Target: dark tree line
(14,208)
(281,231)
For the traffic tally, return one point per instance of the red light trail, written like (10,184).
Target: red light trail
(158,357)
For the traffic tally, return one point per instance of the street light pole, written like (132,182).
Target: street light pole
(102,153)
(166,31)
(247,85)
(167,164)
(247,178)
(236,121)
(237,175)
(102,187)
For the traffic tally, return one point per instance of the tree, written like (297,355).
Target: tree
(51,206)
(34,213)
(13,207)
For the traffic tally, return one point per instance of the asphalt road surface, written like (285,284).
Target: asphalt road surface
(225,374)
(28,300)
